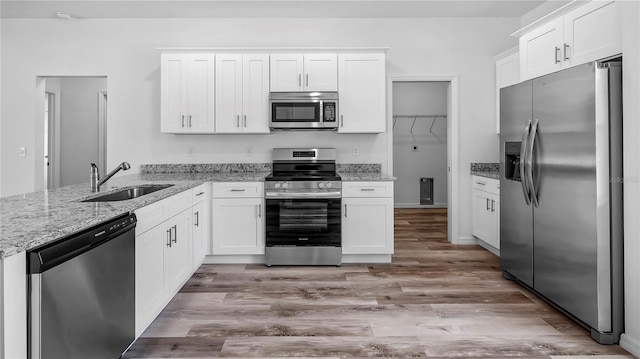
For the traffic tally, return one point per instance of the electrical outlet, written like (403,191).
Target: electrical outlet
(415,148)
(355,151)
(190,151)
(23,152)
(249,151)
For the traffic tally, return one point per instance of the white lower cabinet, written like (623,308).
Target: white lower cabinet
(165,256)
(367,217)
(486,210)
(237,215)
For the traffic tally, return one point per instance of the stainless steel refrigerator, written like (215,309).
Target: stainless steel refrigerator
(561,192)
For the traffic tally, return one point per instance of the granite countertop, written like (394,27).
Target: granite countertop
(489,170)
(33,219)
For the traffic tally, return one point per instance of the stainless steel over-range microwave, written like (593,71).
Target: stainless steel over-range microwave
(303,110)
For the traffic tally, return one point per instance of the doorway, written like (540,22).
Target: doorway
(423,137)
(73,133)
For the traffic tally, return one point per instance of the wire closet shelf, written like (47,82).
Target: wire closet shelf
(416,117)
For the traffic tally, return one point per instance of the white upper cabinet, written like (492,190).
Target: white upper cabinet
(187,93)
(304,72)
(242,88)
(362,91)
(588,33)
(507,74)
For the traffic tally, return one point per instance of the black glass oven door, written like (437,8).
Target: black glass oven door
(303,222)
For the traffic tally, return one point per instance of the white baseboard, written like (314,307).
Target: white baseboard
(234,259)
(466,240)
(630,344)
(366,258)
(259,259)
(418,205)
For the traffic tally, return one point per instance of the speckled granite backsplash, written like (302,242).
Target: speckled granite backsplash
(358,167)
(206,168)
(485,167)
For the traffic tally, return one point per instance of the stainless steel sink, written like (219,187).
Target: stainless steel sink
(128,193)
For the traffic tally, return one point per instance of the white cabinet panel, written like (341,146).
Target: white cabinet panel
(486,210)
(150,275)
(588,33)
(304,72)
(592,32)
(367,226)
(238,225)
(242,85)
(187,93)
(362,88)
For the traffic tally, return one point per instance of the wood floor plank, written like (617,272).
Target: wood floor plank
(435,300)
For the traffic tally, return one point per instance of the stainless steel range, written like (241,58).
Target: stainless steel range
(303,199)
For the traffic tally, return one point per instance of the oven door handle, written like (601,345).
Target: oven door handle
(334,194)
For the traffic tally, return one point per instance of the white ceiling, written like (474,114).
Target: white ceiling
(82,9)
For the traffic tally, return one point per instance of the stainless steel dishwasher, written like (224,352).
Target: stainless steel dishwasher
(82,293)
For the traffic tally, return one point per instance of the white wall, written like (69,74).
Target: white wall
(430,159)
(631,131)
(79,127)
(124,50)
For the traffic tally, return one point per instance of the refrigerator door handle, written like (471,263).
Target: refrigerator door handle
(523,161)
(530,144)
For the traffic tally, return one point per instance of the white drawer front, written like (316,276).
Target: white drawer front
(490,185)
(179,203)
(237,189)
(367,189)
(200,193)
(150,216)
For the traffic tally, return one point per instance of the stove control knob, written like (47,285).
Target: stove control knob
(328,184)
(277,185)
(321,184)
(285,185)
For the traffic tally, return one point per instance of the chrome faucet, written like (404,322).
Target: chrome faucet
(96,182)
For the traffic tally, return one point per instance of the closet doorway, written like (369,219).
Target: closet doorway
(420,144)
(423,141)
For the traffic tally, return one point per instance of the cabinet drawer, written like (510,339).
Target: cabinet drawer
(237,189)
(150,216)
(490,185)
(178,203)
(367,189)
(200,193)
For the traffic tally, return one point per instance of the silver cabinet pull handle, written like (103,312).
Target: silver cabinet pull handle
(245,120)
(189,120)
(237,120)
(299,80)
(341,120)
(199,194)
(566,51)
(169,237)
(175,233)
(307,80)
(492,203)
(481,183)
(259,210)
(182,120)
(557,54)
(488,207)
(237,190)
(197,219)
(367,189)
(345,210)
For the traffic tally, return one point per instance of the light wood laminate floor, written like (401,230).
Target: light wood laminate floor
(435,300)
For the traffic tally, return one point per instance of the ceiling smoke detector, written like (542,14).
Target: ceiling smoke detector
(63,15)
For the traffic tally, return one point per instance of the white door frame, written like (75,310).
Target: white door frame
(102,131)
(452,143)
